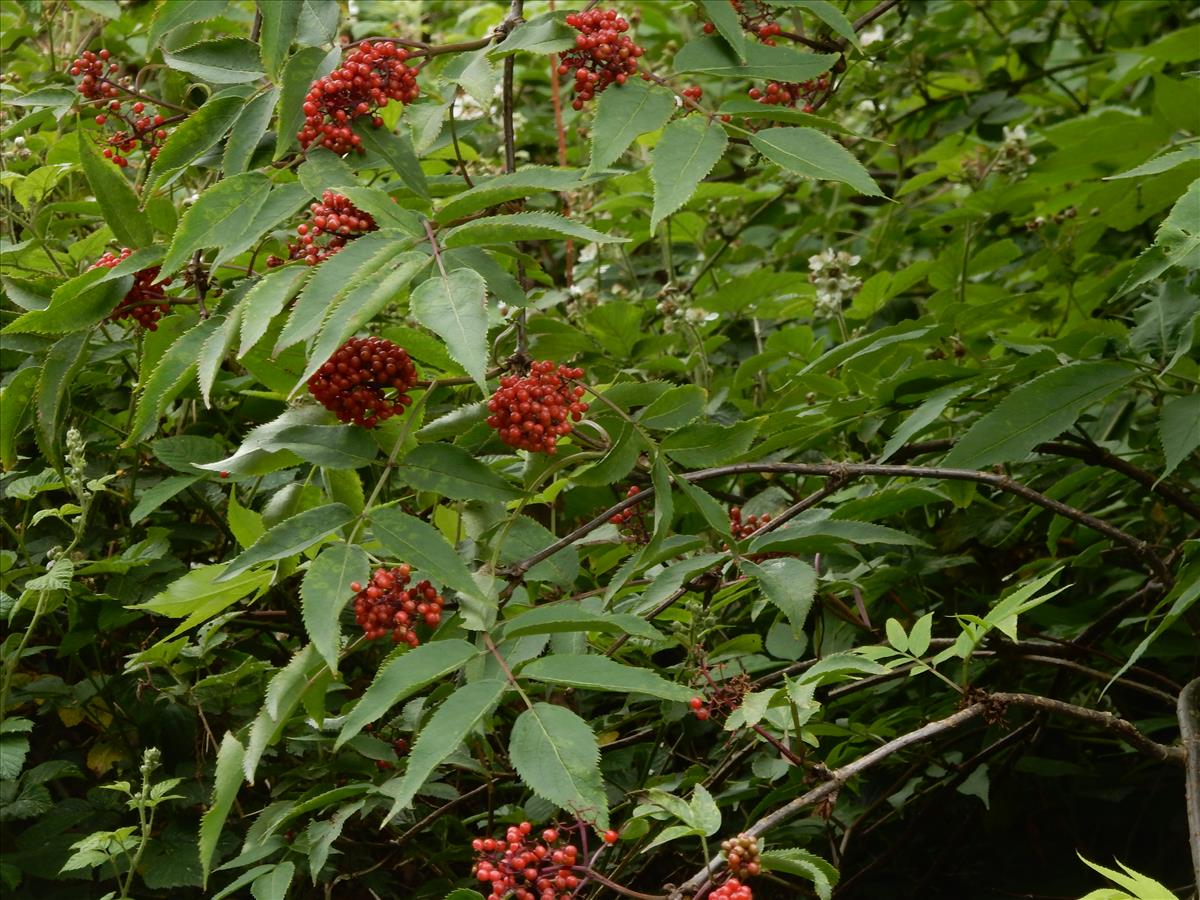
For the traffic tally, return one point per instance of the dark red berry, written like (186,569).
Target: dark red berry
(146,301)
(387,606)
(352,382)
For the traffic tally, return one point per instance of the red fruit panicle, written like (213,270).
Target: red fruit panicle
(526,869)
(368,79)
(534,411)
(732,889)
(742,855)
(146,301)
(603,53)
(336,217)
(388,606)
(352,382)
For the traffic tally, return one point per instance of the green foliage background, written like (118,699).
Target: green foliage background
(976,440)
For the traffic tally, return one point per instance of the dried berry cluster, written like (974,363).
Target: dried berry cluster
(533,412)
(352,382)
(743,528)
(742,855)
(603,53)
(370,77)
(334,216)
(524,868)
(732,889)
(142,129)
(722,697)
(786,93)
(388,606)
(146,301)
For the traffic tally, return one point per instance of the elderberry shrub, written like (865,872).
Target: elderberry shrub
(98,85)
(370,77)
(526,868)
(388,606)
(732,889)
(352,382)
(146,301)
(334,216)
(603,53)
(533,412)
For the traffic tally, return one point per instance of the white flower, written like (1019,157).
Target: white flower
(1015,134)
(829,274)
(869,36)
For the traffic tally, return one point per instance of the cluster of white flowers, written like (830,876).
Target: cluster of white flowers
(17,150)
(829,271)
(872,35)
(1015,156)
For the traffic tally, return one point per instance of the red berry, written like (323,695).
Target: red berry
(533,412)
(702,714)
(224,474)
(351,383)
(611,837)
(146,301)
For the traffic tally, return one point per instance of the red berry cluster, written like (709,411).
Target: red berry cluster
(142,129)
(352,382)
(791,93)
(388,606)
(146,301)
(533,412)
(757,18)
(742,855)
(527,869)
(699,710)
(367,79)
(732,890)
(631,520)
(603,53)
(335,216)
(693,93)
(742,529)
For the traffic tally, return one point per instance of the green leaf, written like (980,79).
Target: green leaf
(921,634)
(196,596)
(274,885)
(808,152)
(423,547)
(599,673)
(252,123)
(357,261)
(353,310)
(328,446)
(452,472)
(169,16)
(302,68)
(266,300)
(173,371)
(458,715)
(16,401)
(557,618)
(713,56)
(824,531)
(324,170)
(212,354)
(541,34)
(922,417)
(453,307)
(525,182)
(59,369)
(622,114)
(725,18)
(152,498)
(831,16)
(795,861)
(226,781)
(397,150)
(523,537)
(77,304)
(116,196)
(556,755)
(1179,429)
(529,226)
(674,409)
(280,21)
(193,137)
(403,674)
(291,536)
(896,635)
(788,583)
(1037,411)
(1176,243)
(706,444)
(324,592)
(227,60)
(686,153)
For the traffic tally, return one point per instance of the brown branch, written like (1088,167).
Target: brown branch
(846,471)
(588,872)
(838,777)
(1189,732)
